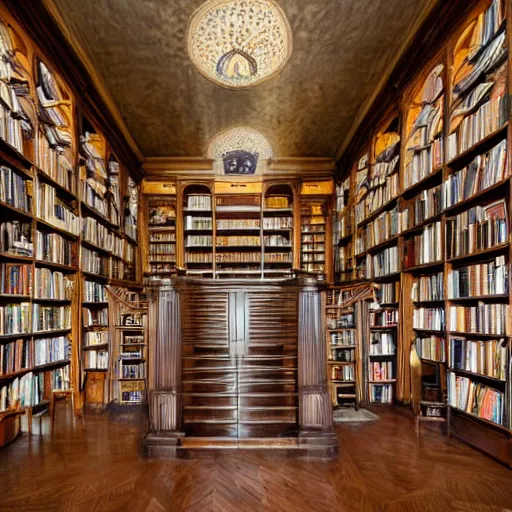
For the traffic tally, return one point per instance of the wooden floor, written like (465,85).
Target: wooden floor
(96,465)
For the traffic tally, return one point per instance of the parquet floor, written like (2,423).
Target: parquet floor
(96,465)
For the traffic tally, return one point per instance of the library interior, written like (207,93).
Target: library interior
(255,255)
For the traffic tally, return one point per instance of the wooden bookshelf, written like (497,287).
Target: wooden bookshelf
(448,173)
(53,170)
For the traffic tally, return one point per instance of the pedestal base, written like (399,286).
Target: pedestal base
(311,444)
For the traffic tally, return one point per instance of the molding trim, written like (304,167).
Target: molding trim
(161,166)
(97,81)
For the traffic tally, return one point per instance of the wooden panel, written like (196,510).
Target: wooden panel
(268,370)
(159,188)
(494,441)
(317,188)
(238,187)
(209,369)
(95,388)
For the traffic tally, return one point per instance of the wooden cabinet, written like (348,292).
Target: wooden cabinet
(239,373)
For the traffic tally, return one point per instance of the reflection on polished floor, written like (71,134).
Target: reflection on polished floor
(95,464)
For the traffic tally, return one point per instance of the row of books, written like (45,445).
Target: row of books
(388,293)
(277,202)
(381,264)
(425,205)
(15,279)
(95,263)
(487,119)
(95,317)
(345,337)
(193,222)
(475,398)
(55,164)
(343,373)
(490,278)
(52,210)
(277,241)
(431,347)
(312,258)
(97,234)
(483,318)
(162,249)
(381,393)
(199,241)
(377,198)
(382,344)
(477,229)
(133,371)
(162,236)
(381,370)
(424,162)
(11,129)
(94,292)
(199,202)
(50,350)
(347,355)
(15,190)
(318,227)
(201,257)
(487,357)
(54,248)
(277,223)
(15,318)
(313,238)
(26,391)
(15,356)
(95,338)
(428,288)
(384,318)
(52,285)
(227,224)
(425,247)
(50,318)
(483,172)
(162,258)
(384,227)
(96,359)
(234,241)
(430,319)
(312,247)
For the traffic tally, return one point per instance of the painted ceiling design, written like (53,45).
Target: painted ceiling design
(341,48)
(239,43)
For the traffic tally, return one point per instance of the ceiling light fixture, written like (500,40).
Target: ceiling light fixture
(239,43)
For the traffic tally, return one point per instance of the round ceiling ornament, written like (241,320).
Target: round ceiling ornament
(239,43)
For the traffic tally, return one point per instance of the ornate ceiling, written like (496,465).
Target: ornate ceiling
(341,49)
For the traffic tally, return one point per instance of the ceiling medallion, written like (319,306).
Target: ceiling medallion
(239,43)
(239,150)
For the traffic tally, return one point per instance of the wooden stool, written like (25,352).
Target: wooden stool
(57,395)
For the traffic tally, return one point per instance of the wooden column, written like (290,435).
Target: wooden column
(315,410)
(164,378)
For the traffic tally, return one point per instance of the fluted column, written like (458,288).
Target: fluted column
(164,372)
(315,409)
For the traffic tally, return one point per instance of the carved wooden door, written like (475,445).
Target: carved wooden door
(239,376)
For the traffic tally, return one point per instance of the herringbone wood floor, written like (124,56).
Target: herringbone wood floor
(96,465)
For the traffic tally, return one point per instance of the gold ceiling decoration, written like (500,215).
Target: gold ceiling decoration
(239,150)
(239,43)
